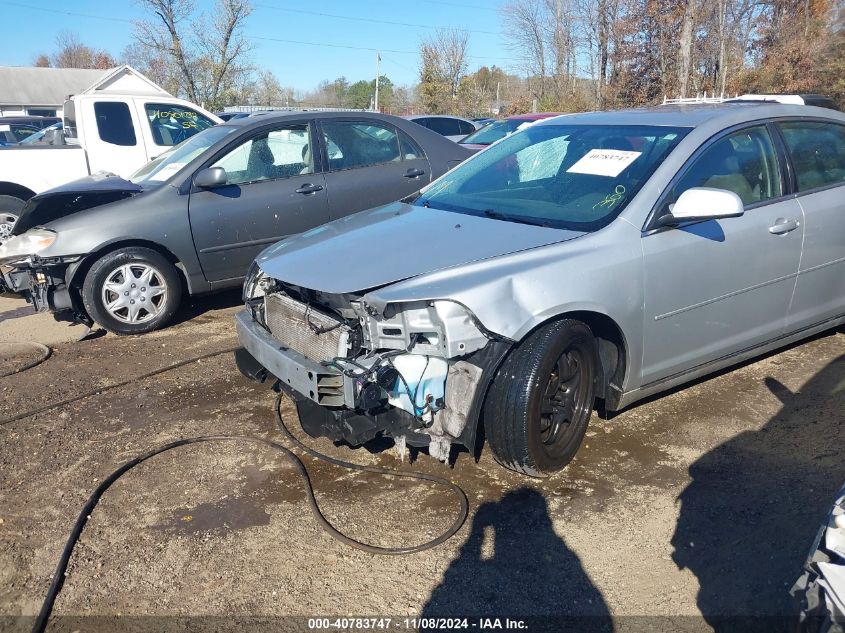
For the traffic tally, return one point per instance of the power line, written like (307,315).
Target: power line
(458,4)
(346,46)
(73,13)
(370,20)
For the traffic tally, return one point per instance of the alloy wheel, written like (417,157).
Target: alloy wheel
(7,223)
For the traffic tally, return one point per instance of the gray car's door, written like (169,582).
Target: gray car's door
(272,192)
(817,149)
(714,288)
(370,163)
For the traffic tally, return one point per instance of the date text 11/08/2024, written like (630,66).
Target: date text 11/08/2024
(413,624)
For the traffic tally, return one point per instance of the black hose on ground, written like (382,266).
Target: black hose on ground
(59,575)
(122,383)
(43,351)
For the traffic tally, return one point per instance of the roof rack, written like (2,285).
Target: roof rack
(696,99)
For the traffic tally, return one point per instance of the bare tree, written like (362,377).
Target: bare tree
(211,57)
(525,28)
(72,53)
(443,64)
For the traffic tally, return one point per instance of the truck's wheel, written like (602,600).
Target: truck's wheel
(540,402)
(10,209)
(132,291)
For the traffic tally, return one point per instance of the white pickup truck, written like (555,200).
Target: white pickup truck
(116,126)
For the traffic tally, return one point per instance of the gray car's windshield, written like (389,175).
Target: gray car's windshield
(575,177)
(167,164)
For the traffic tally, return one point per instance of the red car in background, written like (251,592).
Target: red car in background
(498,130)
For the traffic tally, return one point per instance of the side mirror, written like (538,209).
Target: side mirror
(703,203)
(211,177)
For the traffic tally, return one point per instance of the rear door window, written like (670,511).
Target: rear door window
(355,144)
(445,126)
(114,123)
(171,124)
(466,127)
(818,152)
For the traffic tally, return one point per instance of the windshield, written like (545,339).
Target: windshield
(493,132)
(575,177)
(167,164)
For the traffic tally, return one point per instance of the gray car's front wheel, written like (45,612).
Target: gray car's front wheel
(540,402)
(132,291)
(10,209)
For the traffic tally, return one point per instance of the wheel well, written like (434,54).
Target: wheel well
(78,276)
(613,353)
(18,191)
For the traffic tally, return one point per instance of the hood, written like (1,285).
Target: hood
(395,242)
(73,197)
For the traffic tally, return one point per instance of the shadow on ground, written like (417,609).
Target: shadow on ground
(514,565)
(752,510)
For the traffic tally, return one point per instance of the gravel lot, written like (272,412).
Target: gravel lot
(701,502)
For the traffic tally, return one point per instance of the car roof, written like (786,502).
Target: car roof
(693,115)
(262,118)
(411,117)
(533,116)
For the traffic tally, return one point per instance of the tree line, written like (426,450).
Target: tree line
(567,55)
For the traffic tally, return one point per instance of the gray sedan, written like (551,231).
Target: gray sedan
(591,258)
(121,252)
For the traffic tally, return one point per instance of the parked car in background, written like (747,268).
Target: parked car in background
(498,130)
(604,256)
(482,121)
(452,127)
(228,116)
(13,129)
(116,127)
(119,252)
(50,135)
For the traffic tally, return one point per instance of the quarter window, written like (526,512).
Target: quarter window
(114,123)
(359,144)
(171,124)
(410,150)
(269,156)
(744,162)
(818,152)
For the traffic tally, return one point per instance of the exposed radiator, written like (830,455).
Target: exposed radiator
(288,321)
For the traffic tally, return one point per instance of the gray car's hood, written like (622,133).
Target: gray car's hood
(394,242)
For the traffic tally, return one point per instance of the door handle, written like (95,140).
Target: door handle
(783,226)
(414,173)
(309,188)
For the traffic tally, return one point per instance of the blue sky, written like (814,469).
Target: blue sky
(303,66)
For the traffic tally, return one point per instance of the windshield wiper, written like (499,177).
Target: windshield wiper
(497,215)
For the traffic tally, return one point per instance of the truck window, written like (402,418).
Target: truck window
(171,124)
(114,123)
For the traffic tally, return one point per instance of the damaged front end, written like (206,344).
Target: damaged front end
(414,371)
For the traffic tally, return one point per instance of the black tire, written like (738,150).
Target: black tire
(10,210)
(139,260)
(536,413)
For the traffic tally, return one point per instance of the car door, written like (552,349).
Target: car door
(817,151)
(273,189)
(369,163)
(714,288)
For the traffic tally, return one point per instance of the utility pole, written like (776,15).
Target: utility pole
(378,60)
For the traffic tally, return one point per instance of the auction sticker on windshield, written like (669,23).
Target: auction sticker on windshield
(604,162)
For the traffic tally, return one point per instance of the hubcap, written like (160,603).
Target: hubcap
(134,293)
(563,400)
(7,223)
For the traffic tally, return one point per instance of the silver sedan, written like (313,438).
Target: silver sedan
(588,260)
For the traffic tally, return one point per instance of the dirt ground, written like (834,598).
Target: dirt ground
(704,501)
